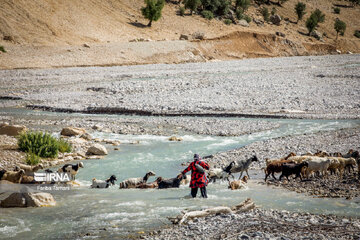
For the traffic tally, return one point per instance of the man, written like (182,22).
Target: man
(198,176)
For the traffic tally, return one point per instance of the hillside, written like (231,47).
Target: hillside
(49,33)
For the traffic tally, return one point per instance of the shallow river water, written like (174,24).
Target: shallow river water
(114,213)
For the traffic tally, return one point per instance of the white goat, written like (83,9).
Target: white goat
(103,184)
(243,165)
(132,182)
(319,164)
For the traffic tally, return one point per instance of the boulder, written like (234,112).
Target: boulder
(21,196)
(243,23)
(97,149)
(11,130)
(72,131)
(275,19)
(316,35)
(86,136)
(184,37)
(258,22)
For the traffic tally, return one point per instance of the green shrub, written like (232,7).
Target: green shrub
(247,18)
(357,33)
(337,10)
(192,5)
(32,159)
(239,13)
(42,144)
(207,14)
(182,11)
(217,7)
(2,49)
(152,10)
(243,4)
(227,21)
(300,10)
(64,146)
(265,13)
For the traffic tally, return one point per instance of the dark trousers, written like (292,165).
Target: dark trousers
(202,190)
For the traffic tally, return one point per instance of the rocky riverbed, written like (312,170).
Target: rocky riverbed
(264,224)
(306,87)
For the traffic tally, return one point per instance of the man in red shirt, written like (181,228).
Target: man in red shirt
(198,176)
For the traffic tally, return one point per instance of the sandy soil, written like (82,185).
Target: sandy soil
(46,33)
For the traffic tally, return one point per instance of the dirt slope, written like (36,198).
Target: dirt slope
(50,33)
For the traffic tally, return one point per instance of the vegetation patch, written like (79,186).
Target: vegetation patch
(42,144)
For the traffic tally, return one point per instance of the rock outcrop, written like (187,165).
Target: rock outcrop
(96,149)
(11,130)
(72,131)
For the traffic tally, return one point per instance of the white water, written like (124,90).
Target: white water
(122,212)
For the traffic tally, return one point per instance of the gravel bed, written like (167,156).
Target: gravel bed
(264,224)
(307,87)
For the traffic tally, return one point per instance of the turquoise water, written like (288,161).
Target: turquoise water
(121,212)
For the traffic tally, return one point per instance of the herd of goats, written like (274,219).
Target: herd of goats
(320,163)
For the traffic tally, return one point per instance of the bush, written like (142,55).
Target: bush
(181,11)
(300,10)
(339,27)
(217,7)
(239,13)
(243,4)
(2,49)
(357,33)
(247,18)
(192,5)
(207,14)
(152,10)
(32,159)
(64,146)
(265,12)
(227,21)
(42,144)
(337,10)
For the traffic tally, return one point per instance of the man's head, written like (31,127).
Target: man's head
(196,156)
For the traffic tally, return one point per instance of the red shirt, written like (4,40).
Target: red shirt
(198,179)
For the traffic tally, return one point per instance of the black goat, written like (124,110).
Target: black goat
(289,169)
(169,183)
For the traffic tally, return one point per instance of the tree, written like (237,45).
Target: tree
(339,27)
(300,10)
(152,10)
(319,15)
(192,5)
(311,23)
(217,7)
